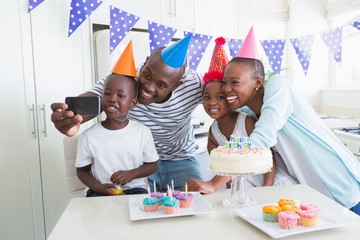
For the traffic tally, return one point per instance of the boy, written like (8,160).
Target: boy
(117,151)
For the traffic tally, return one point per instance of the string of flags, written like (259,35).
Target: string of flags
(121,23)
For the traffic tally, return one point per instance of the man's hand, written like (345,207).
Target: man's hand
(65,121)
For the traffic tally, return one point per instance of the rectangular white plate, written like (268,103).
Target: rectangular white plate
(137,213)
(253,215)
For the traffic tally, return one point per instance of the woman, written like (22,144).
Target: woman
(312,153)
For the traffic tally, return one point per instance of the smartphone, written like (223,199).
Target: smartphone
(84,105)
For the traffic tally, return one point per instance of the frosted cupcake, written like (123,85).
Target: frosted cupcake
(270,213)
(150,204)
(171,206)
(308,218)
(186,199)
(157,195)
(288,219)
(311,207)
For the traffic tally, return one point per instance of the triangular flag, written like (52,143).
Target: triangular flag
(356,24)
(198,45)
(121,23)
(159,35)
(33,4)
(80,10)
(125,64)
(234,46)
(303,48)
(333,39)
(274,50)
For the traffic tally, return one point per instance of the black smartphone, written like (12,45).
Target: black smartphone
(84,105)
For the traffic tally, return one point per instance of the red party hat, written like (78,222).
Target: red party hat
(218,62)
(248,48)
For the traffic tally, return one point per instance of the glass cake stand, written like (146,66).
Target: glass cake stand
(239,196)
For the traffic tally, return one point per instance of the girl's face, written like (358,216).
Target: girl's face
(214,100)
(118,97)
(239,84)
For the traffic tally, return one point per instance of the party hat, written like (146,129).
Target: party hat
(248,48)
(218,62)
(175,54)
(125,65)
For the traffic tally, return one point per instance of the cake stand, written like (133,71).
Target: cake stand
(239,196)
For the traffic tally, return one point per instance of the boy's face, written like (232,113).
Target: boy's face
(118,96)
(239,84)
(157,80)
(214,100)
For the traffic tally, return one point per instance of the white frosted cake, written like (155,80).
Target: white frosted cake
(240,160)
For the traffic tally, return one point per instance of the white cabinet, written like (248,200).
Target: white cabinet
(39,65)
(178,14)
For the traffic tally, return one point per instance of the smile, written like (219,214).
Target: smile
(231,99)
(146,94)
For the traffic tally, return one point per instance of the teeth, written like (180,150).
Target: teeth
(145,94)
(231,99)
(213,110)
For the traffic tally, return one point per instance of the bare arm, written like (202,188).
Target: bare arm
(66,121)
(88,179)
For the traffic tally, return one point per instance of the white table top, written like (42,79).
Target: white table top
(108,218)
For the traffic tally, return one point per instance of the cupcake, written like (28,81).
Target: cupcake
(284,201)
(157,195)
(270,213)
(308,218)
(171,205)
(175,193)
(186,199)
(150,204)
(311,207)
(288,219)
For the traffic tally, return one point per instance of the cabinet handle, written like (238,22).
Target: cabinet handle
(32,109)
(42,108)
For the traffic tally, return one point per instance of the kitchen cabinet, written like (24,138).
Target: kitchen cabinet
(39,65)
(178,14)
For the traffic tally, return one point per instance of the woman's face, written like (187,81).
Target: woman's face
(239,84)
(157,80)
(214,100)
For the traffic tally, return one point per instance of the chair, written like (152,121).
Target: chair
(75,186)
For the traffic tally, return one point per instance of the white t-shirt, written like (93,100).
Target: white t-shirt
(109,151)
(170,122)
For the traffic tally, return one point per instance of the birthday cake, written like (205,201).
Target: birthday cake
(238,157)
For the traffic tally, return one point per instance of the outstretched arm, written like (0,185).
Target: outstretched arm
(66,121)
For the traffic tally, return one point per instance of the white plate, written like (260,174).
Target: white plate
(137,212)
(253,215)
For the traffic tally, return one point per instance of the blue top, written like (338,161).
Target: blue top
(312,153)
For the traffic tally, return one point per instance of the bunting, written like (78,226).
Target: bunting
(121,23)
(333,40)
(33,4)
(198,45)
(234,46)
(356,24)
(303,47)
(80,10)
(159,35)
(274,50)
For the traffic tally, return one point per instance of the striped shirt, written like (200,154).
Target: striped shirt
(170,122)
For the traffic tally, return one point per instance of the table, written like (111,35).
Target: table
(108,218)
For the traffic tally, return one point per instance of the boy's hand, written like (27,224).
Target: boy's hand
(65,121)
(204,187)
(122,177)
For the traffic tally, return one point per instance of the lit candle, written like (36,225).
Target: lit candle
(154,187)
(172,184)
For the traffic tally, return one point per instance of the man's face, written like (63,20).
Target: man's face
(157,80)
